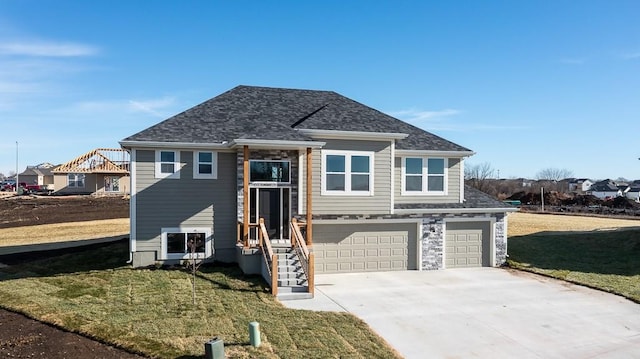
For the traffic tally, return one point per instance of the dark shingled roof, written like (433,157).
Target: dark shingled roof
(263,113)
(472,199)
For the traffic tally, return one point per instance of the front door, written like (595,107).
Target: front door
(272,204)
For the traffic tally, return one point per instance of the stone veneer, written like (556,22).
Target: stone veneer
(432,243)
(501,240)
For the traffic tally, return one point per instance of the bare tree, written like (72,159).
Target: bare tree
(554,174)
(195,244)
(479,175)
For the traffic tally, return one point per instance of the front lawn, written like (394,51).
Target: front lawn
(150,310)
(607,260)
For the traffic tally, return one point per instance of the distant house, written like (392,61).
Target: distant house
(633,192)
(103,171)
(524,182)
(580,185)
(605,189)
(39,174)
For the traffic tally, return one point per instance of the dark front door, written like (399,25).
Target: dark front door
(273,205)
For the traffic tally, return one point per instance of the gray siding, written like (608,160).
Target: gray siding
(379,203)
(186,202)
(453,185)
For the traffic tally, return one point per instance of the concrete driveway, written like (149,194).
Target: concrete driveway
(483,313)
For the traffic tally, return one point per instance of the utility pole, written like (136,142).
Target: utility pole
(17,182)
(542,197)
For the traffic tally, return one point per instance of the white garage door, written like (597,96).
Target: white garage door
(467,244)
(362,248)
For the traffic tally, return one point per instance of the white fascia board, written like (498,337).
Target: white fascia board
(353,135)
(454,210)
(276,144)
(185,145)
(434,153)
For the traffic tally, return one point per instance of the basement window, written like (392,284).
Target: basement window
(178,243)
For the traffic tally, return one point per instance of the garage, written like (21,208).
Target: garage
(467,244)
(341,248)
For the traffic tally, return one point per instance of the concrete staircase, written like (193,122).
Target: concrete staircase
(292,282)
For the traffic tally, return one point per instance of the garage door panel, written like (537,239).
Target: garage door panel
(371,247)
(467,244)
(331,254)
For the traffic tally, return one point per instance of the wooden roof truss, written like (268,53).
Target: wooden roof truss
(100,160)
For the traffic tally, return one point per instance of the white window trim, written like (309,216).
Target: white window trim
(208,243)
(269,182)
(347,185)
(176,165)
(425,175)
(196,165)
(84,179)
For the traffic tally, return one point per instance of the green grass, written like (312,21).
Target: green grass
(150,311)
(607,260)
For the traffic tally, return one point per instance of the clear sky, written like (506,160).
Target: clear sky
(527,85)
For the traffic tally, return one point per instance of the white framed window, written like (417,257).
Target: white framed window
(269,171)
(75,180)
(424,176)
(178,243)
(205,165)
(167,164)
(347,173)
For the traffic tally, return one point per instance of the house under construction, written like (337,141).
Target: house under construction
(103,171)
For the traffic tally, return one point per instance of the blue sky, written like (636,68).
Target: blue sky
(527,85)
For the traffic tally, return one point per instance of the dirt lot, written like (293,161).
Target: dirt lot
(21,337)
(29,210)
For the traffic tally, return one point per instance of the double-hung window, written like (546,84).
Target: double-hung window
(205,165)
(183,243)
(75,180)
(347,173)
(424,176)
(167,164)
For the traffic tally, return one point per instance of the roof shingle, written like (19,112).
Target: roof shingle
(264,113)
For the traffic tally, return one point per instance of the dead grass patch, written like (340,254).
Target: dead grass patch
(63,232)
(521,224)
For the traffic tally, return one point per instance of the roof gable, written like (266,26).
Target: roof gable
(101,160)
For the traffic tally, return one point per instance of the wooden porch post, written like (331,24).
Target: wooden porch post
(309,197)
(245,196)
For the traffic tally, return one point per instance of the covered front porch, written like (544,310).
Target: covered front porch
(275,227)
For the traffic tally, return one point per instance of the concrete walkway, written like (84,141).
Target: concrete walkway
(483,313)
